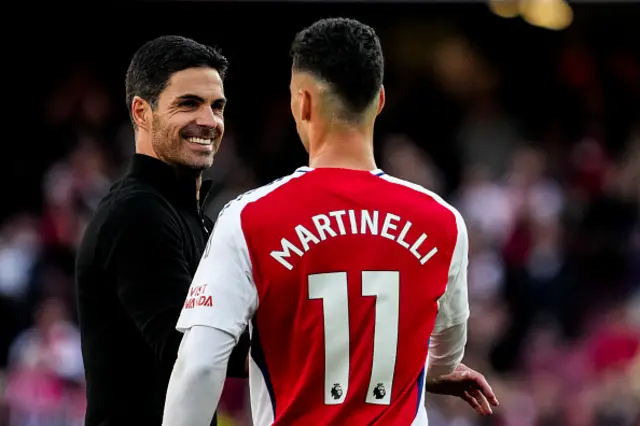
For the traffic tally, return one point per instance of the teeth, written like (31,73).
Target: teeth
(200,141)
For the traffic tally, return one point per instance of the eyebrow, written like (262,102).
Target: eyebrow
(189,97)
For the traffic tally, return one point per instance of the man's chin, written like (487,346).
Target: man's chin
(200,163)
(196,164)
(198,167)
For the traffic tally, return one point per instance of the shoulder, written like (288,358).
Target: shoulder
(135,198)
(231,224)
(430,198)
(433,206)
(138,209)
(233,210)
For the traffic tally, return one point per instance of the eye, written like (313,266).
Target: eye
(189,104)
(217,107)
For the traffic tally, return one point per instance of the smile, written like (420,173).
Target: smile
(200,141)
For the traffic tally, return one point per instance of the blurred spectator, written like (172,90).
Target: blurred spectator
(45,372)
(19,251)
(486,206)
(72,191)
(402,158)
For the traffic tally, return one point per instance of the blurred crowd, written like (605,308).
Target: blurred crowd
(553,216)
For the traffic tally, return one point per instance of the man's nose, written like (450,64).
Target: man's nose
(206,118)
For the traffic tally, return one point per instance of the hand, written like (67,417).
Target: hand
(467,384)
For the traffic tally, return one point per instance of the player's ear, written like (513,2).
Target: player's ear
(305,104)
(381,100)
(141,113)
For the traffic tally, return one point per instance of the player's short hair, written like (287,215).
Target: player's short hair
(157,60)
(347,55)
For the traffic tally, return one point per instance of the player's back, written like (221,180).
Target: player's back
(349,272)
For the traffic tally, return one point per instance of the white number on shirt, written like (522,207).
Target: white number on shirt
(333,290)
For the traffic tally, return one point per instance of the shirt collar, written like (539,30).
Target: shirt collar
(178,188)
(305,169)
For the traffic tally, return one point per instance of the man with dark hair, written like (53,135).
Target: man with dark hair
(348,80)
(356,292)
(142,247)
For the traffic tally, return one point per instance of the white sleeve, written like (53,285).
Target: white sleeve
(446,350)
(453,306)
(222,294)
(198,377)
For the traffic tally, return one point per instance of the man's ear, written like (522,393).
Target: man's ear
(381,100)
(141,113)
(305,104)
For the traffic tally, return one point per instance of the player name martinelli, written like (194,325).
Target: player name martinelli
(353,222)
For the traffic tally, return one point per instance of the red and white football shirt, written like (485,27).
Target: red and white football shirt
(342,276)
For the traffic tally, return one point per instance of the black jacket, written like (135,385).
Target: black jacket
(134,268)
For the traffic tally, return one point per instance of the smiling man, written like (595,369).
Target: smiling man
(142,248)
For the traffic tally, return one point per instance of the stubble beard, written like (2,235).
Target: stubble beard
(172,149)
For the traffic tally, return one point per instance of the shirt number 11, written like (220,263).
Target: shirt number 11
(333,290)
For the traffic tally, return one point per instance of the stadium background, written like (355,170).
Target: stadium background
(533,134)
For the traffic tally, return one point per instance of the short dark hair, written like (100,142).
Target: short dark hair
(157,60)
(344,53)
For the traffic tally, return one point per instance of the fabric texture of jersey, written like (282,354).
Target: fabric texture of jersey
(342,275)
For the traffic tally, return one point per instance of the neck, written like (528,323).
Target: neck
(145,147)
(198,186)
(345,148)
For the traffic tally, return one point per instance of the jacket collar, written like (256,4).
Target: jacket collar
(179,188)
